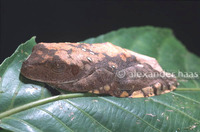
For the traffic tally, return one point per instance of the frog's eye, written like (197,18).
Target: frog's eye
(58,67)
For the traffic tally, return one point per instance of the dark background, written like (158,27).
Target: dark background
(61,20)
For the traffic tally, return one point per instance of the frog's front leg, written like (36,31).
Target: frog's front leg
(98,82)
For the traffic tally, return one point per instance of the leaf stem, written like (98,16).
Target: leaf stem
(41,102)
(188,89)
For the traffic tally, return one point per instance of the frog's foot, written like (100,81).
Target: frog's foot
(153,90)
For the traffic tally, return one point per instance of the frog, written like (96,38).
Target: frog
(98,68)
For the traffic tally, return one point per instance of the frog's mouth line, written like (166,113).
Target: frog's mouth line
(69,81)
(56,82)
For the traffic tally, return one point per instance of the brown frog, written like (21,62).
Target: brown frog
(100,68)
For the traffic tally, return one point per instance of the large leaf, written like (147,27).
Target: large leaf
(22,107)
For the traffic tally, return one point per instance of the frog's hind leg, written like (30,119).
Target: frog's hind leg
(153,90)
(144,92)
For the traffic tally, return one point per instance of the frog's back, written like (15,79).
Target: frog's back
(99,54)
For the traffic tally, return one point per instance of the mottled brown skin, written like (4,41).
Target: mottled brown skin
(80,67)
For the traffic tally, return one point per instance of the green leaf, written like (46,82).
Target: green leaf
(26,105)
(15,89)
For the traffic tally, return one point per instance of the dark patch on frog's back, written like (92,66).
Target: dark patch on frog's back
(68,51)
(40,60)
(44,50)
(80,46)
(121,64)
(76,45)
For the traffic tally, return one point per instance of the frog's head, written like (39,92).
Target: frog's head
(46,64)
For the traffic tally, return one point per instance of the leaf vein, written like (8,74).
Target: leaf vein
(46,111)
(23,121)
(13,128)
(111,102)
(15,95)
(175,110)
(185,97)
(88,115)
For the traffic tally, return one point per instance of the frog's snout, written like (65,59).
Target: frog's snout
(26,68)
